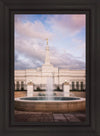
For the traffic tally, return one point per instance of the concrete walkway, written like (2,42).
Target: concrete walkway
(22,116)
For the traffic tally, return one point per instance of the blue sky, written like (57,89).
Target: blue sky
(66,38)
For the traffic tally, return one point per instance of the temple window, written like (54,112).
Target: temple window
(73,86)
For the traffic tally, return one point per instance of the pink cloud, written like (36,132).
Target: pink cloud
(32,55)
(32,30)
(70,24)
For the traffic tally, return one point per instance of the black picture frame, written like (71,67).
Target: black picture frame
(92,10)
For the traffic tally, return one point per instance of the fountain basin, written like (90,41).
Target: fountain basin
(58,104)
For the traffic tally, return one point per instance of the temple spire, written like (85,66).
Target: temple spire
(47,41)
(47,56)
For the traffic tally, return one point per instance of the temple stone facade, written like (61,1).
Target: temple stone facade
(39,76)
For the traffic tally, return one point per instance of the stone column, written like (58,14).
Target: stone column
(30,89)
(66,88)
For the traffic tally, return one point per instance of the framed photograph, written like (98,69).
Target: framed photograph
(50,74)
(50,68)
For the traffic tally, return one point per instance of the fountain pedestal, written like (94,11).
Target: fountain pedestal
(66,89)
(30,89)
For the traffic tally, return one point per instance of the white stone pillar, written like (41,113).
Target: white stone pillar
(30,89)
(66,89)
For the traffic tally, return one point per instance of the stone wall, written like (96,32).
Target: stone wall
(40,76)
(79,94)
(58,107)
(20,94)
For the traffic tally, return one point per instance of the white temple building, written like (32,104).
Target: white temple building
(40,75)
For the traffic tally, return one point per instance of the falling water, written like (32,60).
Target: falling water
(49,88)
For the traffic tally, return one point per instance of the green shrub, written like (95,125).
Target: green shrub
(75,90)
(58,89)
(38,89)
(20,90)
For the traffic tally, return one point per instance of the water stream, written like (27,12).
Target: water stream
(49,88)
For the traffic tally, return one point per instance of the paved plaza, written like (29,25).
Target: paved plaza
(23,116)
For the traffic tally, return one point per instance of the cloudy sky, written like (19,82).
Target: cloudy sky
(66,39)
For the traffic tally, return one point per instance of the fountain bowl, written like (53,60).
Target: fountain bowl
(57,104)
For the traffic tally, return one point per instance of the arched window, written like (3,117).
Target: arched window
(22,85)
(81,85)
(73,86)
(17,85)
(77,85)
